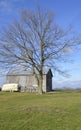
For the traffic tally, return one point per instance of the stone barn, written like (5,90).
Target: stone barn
(28,81)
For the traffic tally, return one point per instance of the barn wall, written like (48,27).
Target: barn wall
(49,82)
(44,83)
(12,79)
(29,82)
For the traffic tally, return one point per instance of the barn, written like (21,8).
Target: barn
(28,81)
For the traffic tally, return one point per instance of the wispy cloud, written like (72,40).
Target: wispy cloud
(67,50)
(67,84)
(5,6)
(8,5)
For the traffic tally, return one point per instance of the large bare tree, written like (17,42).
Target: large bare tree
(35,41)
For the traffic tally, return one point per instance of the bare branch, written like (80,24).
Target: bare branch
(35,41)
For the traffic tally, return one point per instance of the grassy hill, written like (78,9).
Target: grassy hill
(52,111)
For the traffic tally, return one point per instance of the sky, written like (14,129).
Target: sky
(67,12)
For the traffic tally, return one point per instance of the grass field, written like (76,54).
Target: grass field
(52,111)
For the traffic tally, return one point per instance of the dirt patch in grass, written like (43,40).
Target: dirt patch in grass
(36,108)
(44,109)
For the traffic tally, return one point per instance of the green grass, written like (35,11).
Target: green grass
(52,111)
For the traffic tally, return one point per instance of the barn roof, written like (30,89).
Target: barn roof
(26,72)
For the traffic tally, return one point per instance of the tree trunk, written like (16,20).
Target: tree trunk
(40,91)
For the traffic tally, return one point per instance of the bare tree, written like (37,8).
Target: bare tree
(35,41)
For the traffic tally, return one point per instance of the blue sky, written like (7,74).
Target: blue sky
(68,12)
